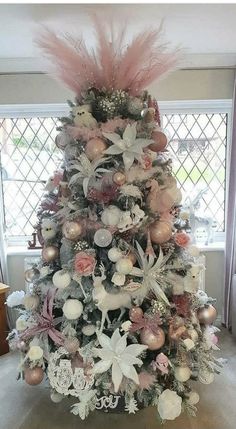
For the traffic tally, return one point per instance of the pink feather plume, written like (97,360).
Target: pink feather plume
(113,64)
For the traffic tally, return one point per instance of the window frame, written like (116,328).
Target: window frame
(166,107)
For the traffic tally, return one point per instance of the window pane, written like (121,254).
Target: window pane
(28,157)
(198,144)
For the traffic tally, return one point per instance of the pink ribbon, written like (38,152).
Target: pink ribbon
(46,323)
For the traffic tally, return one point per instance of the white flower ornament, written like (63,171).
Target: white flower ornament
(169,405)
(115,354)
(129,146)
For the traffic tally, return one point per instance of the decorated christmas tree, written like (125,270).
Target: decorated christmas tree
(115,315)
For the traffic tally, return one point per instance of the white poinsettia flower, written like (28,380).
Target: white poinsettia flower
(86,170)
(35,353)
(115,354)
(129,145)
(15,298)
(169,405)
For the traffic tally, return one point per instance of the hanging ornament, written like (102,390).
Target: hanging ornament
(154,341)
(114,254)
(50,253)
(31,302)
(135,313)
(35,353)
(207,315)
(56,397)
(31,274)
(160,141)
(61,279)
(62,140)
(193,398)
(72,309)
(72,230)
(124,266)
(71,344)
(33,376)
(102,237)
(205,376)
(160,231)
(111,215)
(182,373)
(95,148)
(89,330)
(135,106)
(119,178)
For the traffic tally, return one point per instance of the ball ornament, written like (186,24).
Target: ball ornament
(61,279)
(72,230)
(72,309)
(95,148)
(160,232)
(33,376)
(207,315)
(102,237)
(50,253)
(159,141)
(182,373)
(119,178)
(124,266)
(154,341)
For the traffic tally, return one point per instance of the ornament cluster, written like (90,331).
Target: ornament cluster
(115,307)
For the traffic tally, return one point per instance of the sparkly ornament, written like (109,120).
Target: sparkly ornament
(135,313)
(21,323)
(135,106)
(160,232)
(72,230)
(119,178)
(71,344)
(169,405)
(158,307)
(31,274)
(124,266)
(33,376)
(61,279)
(72,309)
(154,341)
(81,245)
(56,397)
(95,148)
(118,279)
(114,254)
(207,315)
(205,376)
(160,141)
(102,237)
(31,302)
(111,215)
(182,373)
(50,253)
(89,330)
(193,398)
(62,140)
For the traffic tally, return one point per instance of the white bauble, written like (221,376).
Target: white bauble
(205,376)
(56,397)
(193,334)
(193,398)
(102,237)
(21,324)
(189,344)
(118,279)
(61,279)
(194,251)
(72,309)
(35,353)
(169,405)
(124,266)
(31,302)
(111,215)
(182,373)
(48,229)
(89,330)
(114,254)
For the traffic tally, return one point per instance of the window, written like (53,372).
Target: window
(198,133)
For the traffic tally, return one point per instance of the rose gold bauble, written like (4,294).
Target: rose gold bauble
(119,178)
(33,376)
(154,341)
(135,313)
(31,274)
(160,141)
(71,344)
(207,315)
(160,231)
(95,148)
(50,253)
(72,230)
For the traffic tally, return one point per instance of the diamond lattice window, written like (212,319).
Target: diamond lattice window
(28,157)
(198,144)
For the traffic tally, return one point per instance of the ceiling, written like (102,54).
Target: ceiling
(207,32)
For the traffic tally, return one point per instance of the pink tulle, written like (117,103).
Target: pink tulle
(113,64)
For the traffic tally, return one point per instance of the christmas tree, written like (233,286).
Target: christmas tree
(115,315)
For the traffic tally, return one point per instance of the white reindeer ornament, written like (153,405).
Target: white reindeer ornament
(106,301)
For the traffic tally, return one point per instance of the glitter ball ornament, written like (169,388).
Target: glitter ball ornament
(135,106)
(135,314)
(72,230)
(119,178)
(114,254)
(89,330)
(160,232)
(111,215)
(160,141)
(72,309)
(31,274)
(50,253)
(124,266)
(154,341)
(182,373)
(62,140)
(207,315)
(158,307)
(71,344)
(61,279)
(56,397)
(33,376)
(95,148)
(102,237)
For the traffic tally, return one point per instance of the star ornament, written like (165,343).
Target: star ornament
(115,354)
(129,146)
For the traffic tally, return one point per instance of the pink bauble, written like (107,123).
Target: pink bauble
(154,341)
(160,141)
(72,230)
(119,178)
(135,314)
(50,253)
(160,231)
(33,376)
(207,315)
(71,344)
(95,148)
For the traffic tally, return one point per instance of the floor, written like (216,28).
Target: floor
(26,407)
